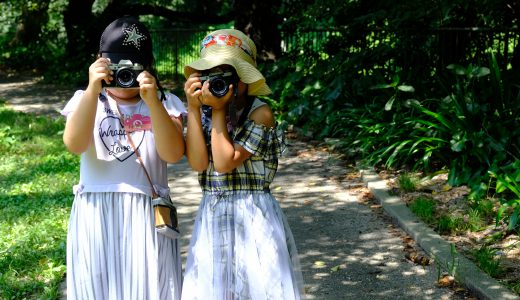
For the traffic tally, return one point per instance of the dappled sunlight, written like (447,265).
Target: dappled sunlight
(343,245)
(186,194)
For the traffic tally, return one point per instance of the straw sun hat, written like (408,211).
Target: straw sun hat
(234,48)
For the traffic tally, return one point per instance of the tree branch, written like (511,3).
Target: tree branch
(172,15)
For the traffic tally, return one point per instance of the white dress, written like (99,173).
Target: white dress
(113,250)
(242,246)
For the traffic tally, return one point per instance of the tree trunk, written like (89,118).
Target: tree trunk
(77,19)
(32,20)
(259,19)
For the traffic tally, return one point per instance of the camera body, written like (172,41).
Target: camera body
(125,74)
(165,215)
(219,82)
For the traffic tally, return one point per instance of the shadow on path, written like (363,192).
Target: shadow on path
(32,96)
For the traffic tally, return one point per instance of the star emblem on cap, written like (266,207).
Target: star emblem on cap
(133,37)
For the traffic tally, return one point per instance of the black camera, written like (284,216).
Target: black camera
(219,82)
(125,74)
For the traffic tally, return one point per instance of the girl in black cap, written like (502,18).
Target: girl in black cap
(126,129)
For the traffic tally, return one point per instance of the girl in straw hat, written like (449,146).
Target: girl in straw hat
(242,246)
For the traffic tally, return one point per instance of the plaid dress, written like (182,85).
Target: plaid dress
(242,246)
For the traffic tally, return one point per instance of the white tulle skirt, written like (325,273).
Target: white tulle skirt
(242,248)
(113,251)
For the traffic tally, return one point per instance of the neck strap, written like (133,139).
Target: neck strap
(136,151)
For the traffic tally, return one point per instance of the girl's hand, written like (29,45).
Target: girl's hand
(215,102)
(147,87)
(97,72)
(192,89)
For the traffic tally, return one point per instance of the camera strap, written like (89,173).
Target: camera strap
(136,151)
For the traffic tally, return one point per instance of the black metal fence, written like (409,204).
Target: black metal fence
(176,47)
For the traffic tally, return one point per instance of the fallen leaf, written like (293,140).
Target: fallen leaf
(319,263)
(445,281)
(416,257)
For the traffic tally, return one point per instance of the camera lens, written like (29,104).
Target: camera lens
(218,86)
(125,77)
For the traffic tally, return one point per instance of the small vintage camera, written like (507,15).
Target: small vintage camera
(125,74)
(219,82)
(165,214)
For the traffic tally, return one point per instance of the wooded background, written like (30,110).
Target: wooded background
(39,34)
(410,86)
(419,84)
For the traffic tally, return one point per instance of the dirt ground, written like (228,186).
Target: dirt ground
(349,248)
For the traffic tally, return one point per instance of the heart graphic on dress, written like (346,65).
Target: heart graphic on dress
(113,136)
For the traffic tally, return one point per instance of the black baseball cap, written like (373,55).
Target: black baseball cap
(127,38)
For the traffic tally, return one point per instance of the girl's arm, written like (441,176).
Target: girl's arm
(167,131)
(196,150)
(78,133)
(227,155)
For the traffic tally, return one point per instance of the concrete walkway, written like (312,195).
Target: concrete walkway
(347,250)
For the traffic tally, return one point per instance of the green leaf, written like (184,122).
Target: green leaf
(412,103)
(397,150)
(513,220)
(500,213)
(480,72)
(457,146)
(438,117)
(333,93)
(382,86)
(388,105)
(336,268)
(406,88)
(457,69)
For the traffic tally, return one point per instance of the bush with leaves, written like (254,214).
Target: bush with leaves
(478,122)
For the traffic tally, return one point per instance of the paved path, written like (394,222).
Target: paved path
(349,248)
(31,96)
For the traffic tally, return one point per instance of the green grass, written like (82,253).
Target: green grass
(424,208)
(450,223)
(408,182)
(473,217)
(488,261)
(485,207)
(447,223)
(515,286)
(36,179)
